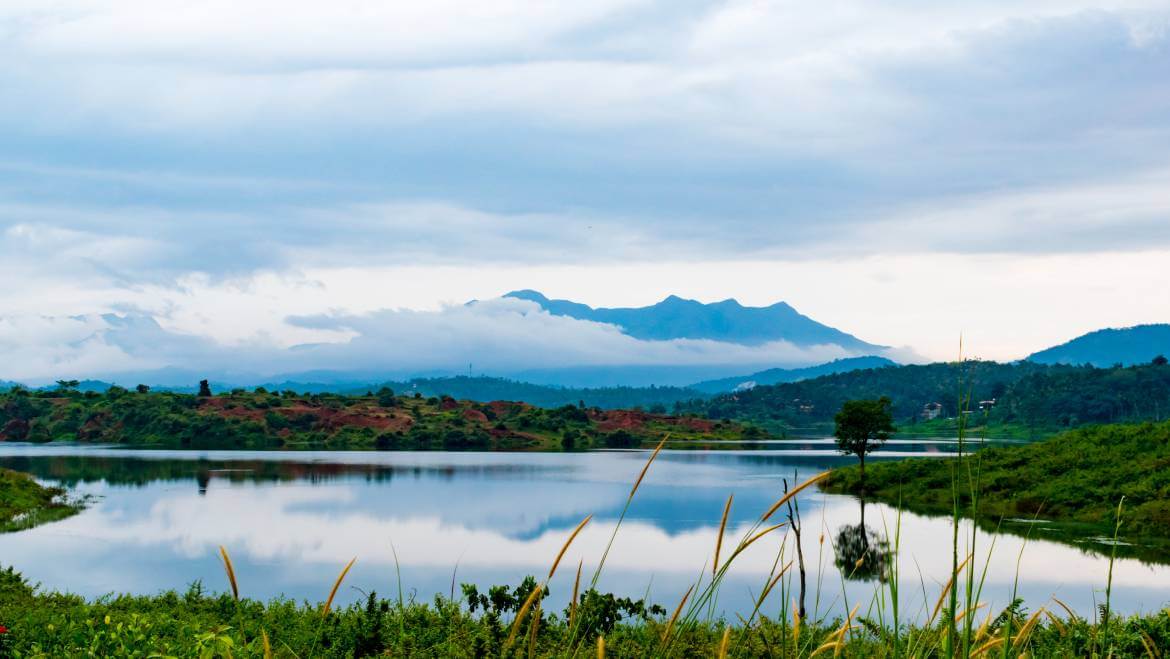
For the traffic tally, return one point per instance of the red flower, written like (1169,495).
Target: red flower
(3,629)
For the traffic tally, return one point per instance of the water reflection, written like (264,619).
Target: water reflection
(291,519)
(862,554)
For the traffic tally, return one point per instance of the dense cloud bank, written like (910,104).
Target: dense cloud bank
(162,138)
(501,336)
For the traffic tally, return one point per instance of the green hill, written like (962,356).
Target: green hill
(1079,477)
(484,388)
(261,420)
(1022,398)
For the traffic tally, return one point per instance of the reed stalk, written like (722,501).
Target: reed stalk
(231,575)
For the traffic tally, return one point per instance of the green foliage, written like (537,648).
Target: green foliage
(1030,399)
(259,420)
(1077,476)
(198,624)
(483,388)
(598,613)
(25,503)
(863,426)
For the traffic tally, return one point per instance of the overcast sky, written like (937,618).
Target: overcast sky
(905,171)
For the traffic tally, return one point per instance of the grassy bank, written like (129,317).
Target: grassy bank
(25,503)
(261,419)
(1077,477)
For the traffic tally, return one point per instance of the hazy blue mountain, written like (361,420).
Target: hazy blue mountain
(676,318)
(778,375)
(1106,347)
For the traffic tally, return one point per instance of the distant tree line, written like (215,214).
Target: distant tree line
(1039,397)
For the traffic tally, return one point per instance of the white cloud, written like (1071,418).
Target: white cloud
(501,335)
(156,152)
(764,75)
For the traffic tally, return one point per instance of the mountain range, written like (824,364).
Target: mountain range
(1126,346)
(578,350)
(728,321)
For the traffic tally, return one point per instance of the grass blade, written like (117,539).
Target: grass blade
(677,611)
(719,538)
(523,612)
(231,572)
(793,492)
(565,547)
(336,585)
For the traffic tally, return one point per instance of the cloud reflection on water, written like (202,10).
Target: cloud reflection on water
(288,536)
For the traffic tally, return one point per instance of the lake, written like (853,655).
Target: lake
(291,520)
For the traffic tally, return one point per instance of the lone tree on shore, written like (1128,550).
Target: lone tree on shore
(863,426)
(204,388)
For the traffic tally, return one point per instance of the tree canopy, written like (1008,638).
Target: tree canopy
(863,426)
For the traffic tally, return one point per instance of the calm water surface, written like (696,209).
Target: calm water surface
(291,520)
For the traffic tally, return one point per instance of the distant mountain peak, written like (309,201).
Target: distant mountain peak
(527,294)
(1105,347)
(676,317)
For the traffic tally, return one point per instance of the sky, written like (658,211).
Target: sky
(289,185)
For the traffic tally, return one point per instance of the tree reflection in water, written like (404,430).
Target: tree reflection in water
(861,553)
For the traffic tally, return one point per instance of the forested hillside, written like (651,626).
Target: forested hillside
(483,388)
(1034,397)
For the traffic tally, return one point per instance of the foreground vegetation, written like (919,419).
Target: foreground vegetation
(1078,476)
(261,419)
(24,503)
(197,624)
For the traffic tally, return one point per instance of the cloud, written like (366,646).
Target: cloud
(1126,214)
(500,336)
(246,136)
(157,150)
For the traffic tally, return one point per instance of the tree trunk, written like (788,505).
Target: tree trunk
(861,459)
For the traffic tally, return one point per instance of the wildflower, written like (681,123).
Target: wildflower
(3,629)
